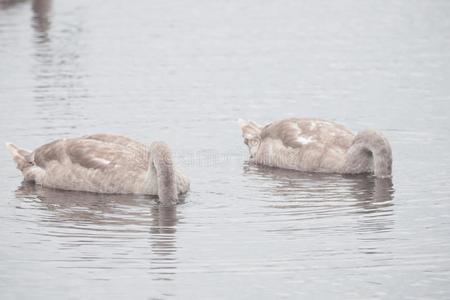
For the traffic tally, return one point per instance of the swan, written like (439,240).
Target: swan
(103,163)
(316,145)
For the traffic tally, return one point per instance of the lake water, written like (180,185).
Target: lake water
(184,72)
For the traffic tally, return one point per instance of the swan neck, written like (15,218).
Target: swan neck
(161,161)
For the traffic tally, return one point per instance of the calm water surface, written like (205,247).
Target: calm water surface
(184,72)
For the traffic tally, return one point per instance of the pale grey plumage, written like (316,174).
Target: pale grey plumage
(103,163)
(315,145)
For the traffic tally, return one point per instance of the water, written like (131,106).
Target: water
(184,72)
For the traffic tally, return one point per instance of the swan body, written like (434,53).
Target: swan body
(315,145)
(103,163)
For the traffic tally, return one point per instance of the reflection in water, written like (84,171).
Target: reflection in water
(89,208)
(41,19)
(373,194)
(5,4)
(318,195)
(114,216)
(57,71)
(163,241)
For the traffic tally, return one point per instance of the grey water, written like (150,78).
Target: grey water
(184,72)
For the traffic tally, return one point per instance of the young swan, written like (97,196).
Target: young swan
(314,145)
(103,163)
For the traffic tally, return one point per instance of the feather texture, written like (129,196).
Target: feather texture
(315,145)
(102,163)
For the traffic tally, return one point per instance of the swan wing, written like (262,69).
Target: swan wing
(297,133)
(90,165)
(291,132)
(115,139)
(90,154)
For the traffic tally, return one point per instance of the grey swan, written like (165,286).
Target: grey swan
(103,163)
(315,145)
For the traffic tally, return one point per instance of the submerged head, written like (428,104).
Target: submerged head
(251,132)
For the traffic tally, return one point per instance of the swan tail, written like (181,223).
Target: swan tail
(22,157)
(162,162)
(370,151)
